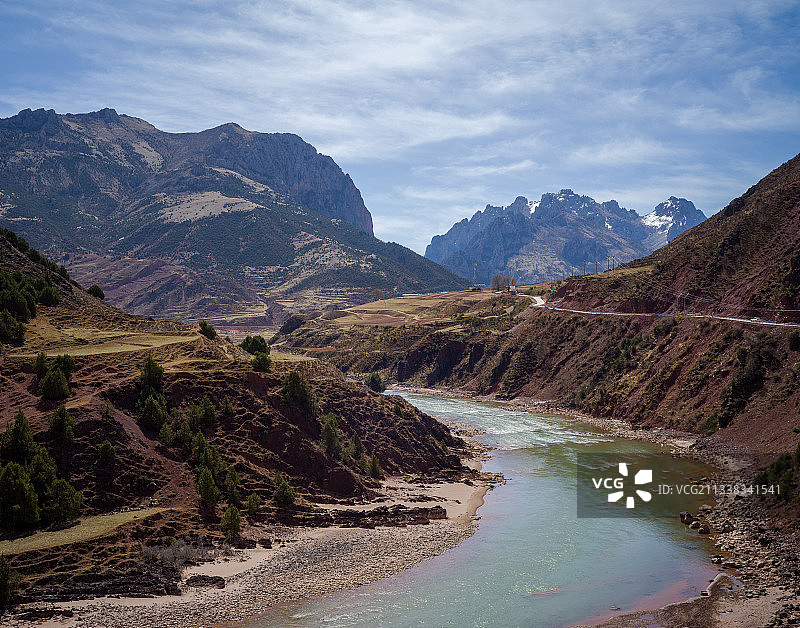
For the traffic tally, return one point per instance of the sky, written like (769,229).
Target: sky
(437,108)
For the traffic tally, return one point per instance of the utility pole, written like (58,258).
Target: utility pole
(584,267)
(595,267)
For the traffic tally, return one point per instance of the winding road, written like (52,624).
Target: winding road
(540,302)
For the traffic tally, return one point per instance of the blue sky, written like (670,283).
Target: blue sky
(438,108)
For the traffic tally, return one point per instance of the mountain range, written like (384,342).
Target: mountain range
(225,224)
(555,236)
(701,335)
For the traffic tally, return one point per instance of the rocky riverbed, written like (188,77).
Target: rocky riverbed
(302,564)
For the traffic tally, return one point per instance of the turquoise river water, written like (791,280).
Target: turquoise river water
(532,561)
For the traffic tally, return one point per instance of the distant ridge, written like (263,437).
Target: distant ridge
(226,224)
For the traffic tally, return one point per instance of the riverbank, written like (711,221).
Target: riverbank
(303,562)
(753,549)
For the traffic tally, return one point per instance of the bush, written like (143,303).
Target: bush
(330,436)
(357,447)
(62,503)
(176,430)
(375,467)
(747,379)
(19,504)
(151,376)
(65,364)
(284,493)
(261,362)
(97,292)
(203,413)
(152,412)
(255,344)
(11,330)
(207,330)
(106,451)
(10,581)
(232,486)
(207,488)
(207,456)
(54,385)
(231,522)
(226,408)
(48,296)
(375,382)
(17,443)
(61,425)
(42,472)
(253,504)
(40,364)
(786,485)
(297,390)
(794,341)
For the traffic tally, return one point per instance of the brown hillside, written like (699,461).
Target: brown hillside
(682,372)
(263,435)
(744,261)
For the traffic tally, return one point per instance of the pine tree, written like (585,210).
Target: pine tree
(231,522)
(207,488)
(61,425)
(330,436)
(284,493)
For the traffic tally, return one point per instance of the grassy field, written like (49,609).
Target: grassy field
(409,310)
(87,528)
(119,344)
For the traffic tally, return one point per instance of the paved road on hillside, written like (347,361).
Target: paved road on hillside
(540,302)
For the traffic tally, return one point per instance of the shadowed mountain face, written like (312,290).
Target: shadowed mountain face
(547,239)
(225,224)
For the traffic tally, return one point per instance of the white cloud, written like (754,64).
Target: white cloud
(464,103)
(623,151)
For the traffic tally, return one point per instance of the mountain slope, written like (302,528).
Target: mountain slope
(261,432)
(735,380)
(224,224)
(553,237)
(744,261)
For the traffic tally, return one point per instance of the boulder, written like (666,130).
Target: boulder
(240,543)
(217,582)
(437,512)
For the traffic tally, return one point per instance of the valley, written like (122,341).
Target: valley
(142,499)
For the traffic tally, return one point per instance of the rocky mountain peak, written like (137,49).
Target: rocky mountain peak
(547,238)
(671,218)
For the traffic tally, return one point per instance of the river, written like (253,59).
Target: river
(533,561)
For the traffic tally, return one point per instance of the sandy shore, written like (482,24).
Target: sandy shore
(304,562)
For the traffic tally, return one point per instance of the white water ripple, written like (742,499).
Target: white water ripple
(505,428)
